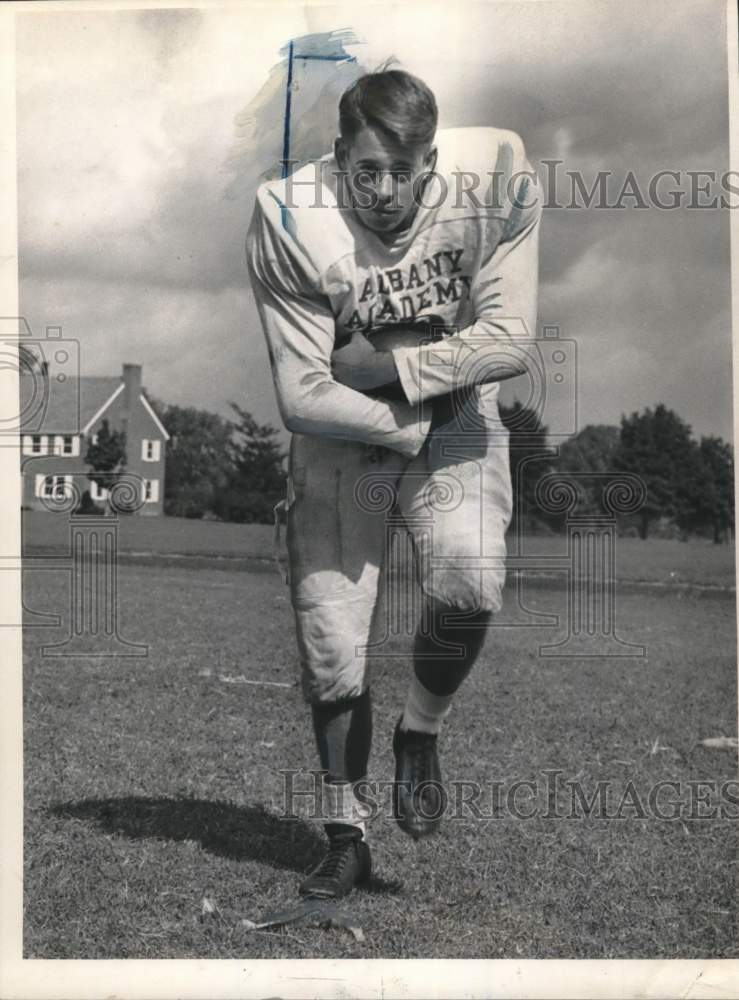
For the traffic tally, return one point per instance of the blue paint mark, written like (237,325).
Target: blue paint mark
(291,56)
(286,218)
(288,102)
(514,218)
(328,58)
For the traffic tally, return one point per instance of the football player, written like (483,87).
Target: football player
(394,280)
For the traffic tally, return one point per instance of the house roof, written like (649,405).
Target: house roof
(69,407)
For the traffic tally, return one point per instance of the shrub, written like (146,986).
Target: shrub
(245,507)
(88,506)
(190,501)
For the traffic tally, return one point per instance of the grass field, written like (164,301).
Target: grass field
(154,782)
(659,560)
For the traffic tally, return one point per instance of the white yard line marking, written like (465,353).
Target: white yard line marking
(245,680)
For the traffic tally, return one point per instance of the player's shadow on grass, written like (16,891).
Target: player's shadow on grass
(241,833)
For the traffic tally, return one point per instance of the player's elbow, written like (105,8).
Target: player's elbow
(298,415)
(506,350)
(518,366)
(308,406)
(295,423)
(308,423)
(292,416)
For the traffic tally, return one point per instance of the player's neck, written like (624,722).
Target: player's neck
(400,231)
(408,222)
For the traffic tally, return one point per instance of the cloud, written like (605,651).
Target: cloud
(651,321)
(141,189)
(127,236)
(196,349)
(172,31)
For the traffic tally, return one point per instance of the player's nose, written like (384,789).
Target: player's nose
(385,188)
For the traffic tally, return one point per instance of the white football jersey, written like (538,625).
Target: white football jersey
(445,296)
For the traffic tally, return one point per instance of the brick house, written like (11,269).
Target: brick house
(55,436)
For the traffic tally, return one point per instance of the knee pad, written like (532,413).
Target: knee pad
(331,668)
(466,588)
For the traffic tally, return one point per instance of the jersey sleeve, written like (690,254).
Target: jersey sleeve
(299,327)
(503,298)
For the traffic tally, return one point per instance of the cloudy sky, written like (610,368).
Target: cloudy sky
(133,207)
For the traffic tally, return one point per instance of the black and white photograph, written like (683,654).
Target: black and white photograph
(369,547)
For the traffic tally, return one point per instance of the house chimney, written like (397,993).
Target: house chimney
(131,390)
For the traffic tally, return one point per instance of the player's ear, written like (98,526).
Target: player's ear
(429,160)
(340,152)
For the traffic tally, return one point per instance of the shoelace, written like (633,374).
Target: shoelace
(336,860)
(421,754)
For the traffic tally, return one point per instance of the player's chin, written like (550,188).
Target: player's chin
(382,222)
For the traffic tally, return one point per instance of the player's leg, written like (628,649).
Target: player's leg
(335,547)
(419,798)
(438,673)
(343,731)
(458,515)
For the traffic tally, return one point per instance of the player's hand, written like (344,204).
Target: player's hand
(360,366)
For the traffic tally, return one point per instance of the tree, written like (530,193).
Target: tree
(717,502)
(530,459)
(106,456)
(198,459)
(693,488)
(658,446)
(591,451)
(257,479)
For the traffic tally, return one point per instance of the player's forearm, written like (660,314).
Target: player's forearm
(486,351)
(374,370)
(493,347)
(328,409)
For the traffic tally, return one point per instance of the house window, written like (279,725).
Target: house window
(35,444)
(98,492)
(150,450)
(94,439)
(66,444)
(53,487)
(151,490)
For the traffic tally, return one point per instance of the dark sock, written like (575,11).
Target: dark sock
(343,732)
(443,676)
(342,831)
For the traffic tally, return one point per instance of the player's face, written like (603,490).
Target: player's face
(384,179)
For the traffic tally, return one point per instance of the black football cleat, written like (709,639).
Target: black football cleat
(346,864)
(419,799)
